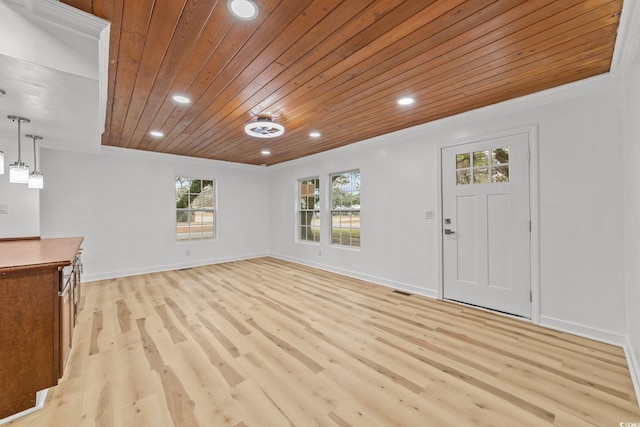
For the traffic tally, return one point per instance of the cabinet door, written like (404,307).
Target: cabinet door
(66,325)
(28,337)
(77,291)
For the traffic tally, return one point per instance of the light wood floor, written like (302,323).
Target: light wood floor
(268,343)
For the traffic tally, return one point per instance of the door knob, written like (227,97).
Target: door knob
(447,231)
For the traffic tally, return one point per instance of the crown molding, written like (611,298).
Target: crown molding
(627,40)
(64,15)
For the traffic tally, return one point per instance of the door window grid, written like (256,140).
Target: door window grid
(481,167)
(309,209)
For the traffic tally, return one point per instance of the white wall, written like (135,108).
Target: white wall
(580,197)
(398,182)
(23,219)
(632,215)
(122,202)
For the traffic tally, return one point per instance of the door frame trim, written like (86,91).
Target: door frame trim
(532,134)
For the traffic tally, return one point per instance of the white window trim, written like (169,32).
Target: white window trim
(298,236)
(331,211)
(214,210)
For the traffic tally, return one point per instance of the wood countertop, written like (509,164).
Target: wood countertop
(24,254)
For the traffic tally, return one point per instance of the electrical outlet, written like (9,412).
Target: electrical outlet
(4,208)
(429,214)
(188,252)
(319,253)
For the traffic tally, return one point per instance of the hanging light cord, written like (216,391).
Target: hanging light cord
(35,157)
(20,120)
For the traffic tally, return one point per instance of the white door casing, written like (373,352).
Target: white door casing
(487,255)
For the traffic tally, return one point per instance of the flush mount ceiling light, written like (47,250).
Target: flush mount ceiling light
(265,152)
(406,101)
(36,180)
(156,133)
(314,134)
(243,9)
(181,99)
(264,127)
(18,171)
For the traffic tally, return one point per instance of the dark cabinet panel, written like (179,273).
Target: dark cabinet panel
(29,337)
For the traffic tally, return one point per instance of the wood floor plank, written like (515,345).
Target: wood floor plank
(265,342)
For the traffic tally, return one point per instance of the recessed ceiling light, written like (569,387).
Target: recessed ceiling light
(314,134)
(243,9)
(156,133)
(181,99)
(406,101)
(265,152)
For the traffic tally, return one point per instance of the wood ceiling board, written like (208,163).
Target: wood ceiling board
(229,76)
(359,61)
(312,97)
(333,66)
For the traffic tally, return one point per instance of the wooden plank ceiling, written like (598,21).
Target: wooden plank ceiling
(334,66)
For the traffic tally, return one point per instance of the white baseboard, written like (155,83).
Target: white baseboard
(41,396)
(88,277)
(602,336)
(583,331)
(634,367)
(431,293)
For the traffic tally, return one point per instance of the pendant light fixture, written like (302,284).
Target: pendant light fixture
(36,180)
(18,171)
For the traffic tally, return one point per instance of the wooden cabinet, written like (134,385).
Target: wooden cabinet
(36,318)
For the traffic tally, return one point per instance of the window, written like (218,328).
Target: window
(309,208)
(195,215)
(482,167)
(345,209)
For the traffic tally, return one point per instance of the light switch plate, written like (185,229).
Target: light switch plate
(4,208)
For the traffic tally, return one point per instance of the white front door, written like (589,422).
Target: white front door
(486,223)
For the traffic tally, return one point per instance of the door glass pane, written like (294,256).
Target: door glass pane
(500,174)
(480,158)
(463,177)
(463,160)
(480,175)
(500,156)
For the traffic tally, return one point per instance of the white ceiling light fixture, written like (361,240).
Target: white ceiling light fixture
(18,171)
(406,101)
(245,10)
(314,134)
(156,133)
(264,127)
(36,180)
(265,152)
(181,99)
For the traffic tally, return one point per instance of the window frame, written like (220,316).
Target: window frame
(466,173)
(191,210)
(351,210)
(314,212)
